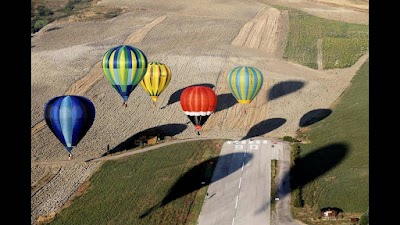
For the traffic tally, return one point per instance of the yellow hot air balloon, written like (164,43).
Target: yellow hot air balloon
(156,79)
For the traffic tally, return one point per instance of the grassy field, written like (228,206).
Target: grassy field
(162,186)
(342,43)
(44,12)
(342,181)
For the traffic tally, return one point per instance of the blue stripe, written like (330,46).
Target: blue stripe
(238,82)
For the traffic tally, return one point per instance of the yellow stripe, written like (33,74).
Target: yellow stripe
(122,71)
(251,84)
(111,63)
(163,79)
(242,82)
(146,80)
(155,79)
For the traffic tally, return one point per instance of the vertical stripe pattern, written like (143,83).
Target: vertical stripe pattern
(245,82)
(156,79)
(69,117)
(124,67)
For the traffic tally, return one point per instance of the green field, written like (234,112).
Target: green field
(342,43)
(338,182)
(161,186)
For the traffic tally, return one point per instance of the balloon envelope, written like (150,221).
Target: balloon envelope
(198,102)
(156,79)
(69,117)
(245,82)
(124,67)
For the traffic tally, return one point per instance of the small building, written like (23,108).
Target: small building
(330,213)
(152,140)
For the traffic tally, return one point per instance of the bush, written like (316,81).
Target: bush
(364,220)
(297,198)
(44,11)
(39,24)
(290,139)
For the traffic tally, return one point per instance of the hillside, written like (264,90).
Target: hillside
(200,44)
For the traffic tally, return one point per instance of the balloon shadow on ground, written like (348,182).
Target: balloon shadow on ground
(283,88)
(175,97)
(264,127)
(314,116)
(225,101)
(201,175)
(310,167)
(54,28)
(315,164)
(160,131)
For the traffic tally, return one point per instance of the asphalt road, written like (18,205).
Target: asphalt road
(240,190)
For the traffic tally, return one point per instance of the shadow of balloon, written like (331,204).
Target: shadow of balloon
(175,97)
(314,116)
(54,28)
(264,127)
(225,101)
(160,131)
(310,167)
(202,174)
(315,164)
(283,88)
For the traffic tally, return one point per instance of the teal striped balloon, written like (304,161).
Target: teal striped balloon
(124,67)
(245,82)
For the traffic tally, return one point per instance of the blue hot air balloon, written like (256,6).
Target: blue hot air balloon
(69,117)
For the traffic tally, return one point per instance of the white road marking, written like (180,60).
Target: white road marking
(265,142)
(240,181)
(237,199)
(253,146)
(238,146)
(244,142)
(233,220)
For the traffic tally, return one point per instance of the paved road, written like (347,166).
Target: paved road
(240,191)
(241,184)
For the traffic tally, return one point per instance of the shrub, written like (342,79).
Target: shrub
(290,139)
(39,24)
(44,11)
(297,198)
(364,220)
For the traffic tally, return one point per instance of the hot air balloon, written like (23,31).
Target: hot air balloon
(124,67)
(245,82)
(198,102)
(156,79)
(69,117)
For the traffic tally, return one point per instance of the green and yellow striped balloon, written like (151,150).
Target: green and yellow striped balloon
(245,82)
(124,67)
(156,79)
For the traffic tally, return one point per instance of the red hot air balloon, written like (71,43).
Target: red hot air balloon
(198,102)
